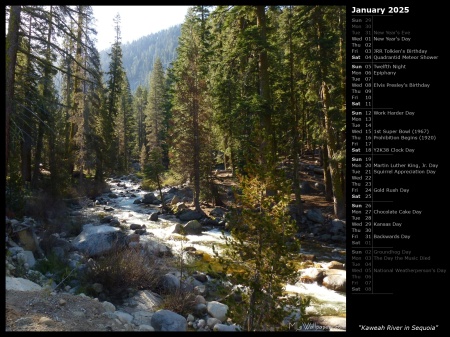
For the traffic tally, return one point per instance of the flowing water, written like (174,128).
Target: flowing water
(324,302)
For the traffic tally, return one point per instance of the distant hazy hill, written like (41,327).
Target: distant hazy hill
(140,55)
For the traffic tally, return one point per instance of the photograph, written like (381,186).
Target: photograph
(209,168)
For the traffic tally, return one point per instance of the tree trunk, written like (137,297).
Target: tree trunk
(332,146)
(46,93)
(338,196)
(326,173)
(38,155)
(12,44)
(265,118)
(295,126)
(196,153)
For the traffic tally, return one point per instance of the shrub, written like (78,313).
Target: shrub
(258,248)
(180,301)
(57,267)
(172,178)
(124,268)
(148,185)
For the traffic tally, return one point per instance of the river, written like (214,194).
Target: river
(324,302)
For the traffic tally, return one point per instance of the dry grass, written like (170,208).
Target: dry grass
(125,268)
(180,301)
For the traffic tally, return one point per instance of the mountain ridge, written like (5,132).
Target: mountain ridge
(139,55)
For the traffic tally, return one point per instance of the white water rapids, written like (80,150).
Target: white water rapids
(324,302)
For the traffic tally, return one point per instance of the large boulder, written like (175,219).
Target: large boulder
(149,198)
(170,282)
(98,240)
(28,240)
(156,248)
(146,301)
(311,275)
(21,284)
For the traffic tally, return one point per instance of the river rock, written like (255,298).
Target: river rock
(147,301)
(305,187)
(178,207)
(175,229)
(200,310)
(18,283)
(217,310)
(146,327)
(97,240)
(335,282)
(335,265)
(315,215)
(224,327)
(338,226)
(157,248)
(200,277)
(175,200)
(199,299)
(28,239)
(311,275)
(218,212)
(170,282)
(193,227)
(190,215)
(149,198)
(106,219)
(166,320)
(124,317)
(142,317)
(49,243)
(134,226)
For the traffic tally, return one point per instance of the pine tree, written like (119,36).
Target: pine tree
(12,45)
(114,90)
(125,127)
(155,108)
(190,154)
(139,103)
(154,169)
(325,20)
(260,250)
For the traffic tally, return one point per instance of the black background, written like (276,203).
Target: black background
(414,299)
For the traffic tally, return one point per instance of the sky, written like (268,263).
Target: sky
(135,21)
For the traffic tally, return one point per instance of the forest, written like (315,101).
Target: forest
(251,90)
(256,84)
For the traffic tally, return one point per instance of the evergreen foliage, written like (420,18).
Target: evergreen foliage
(261,247)
(155,112)
(251,83)
(154,169)
(190,154)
